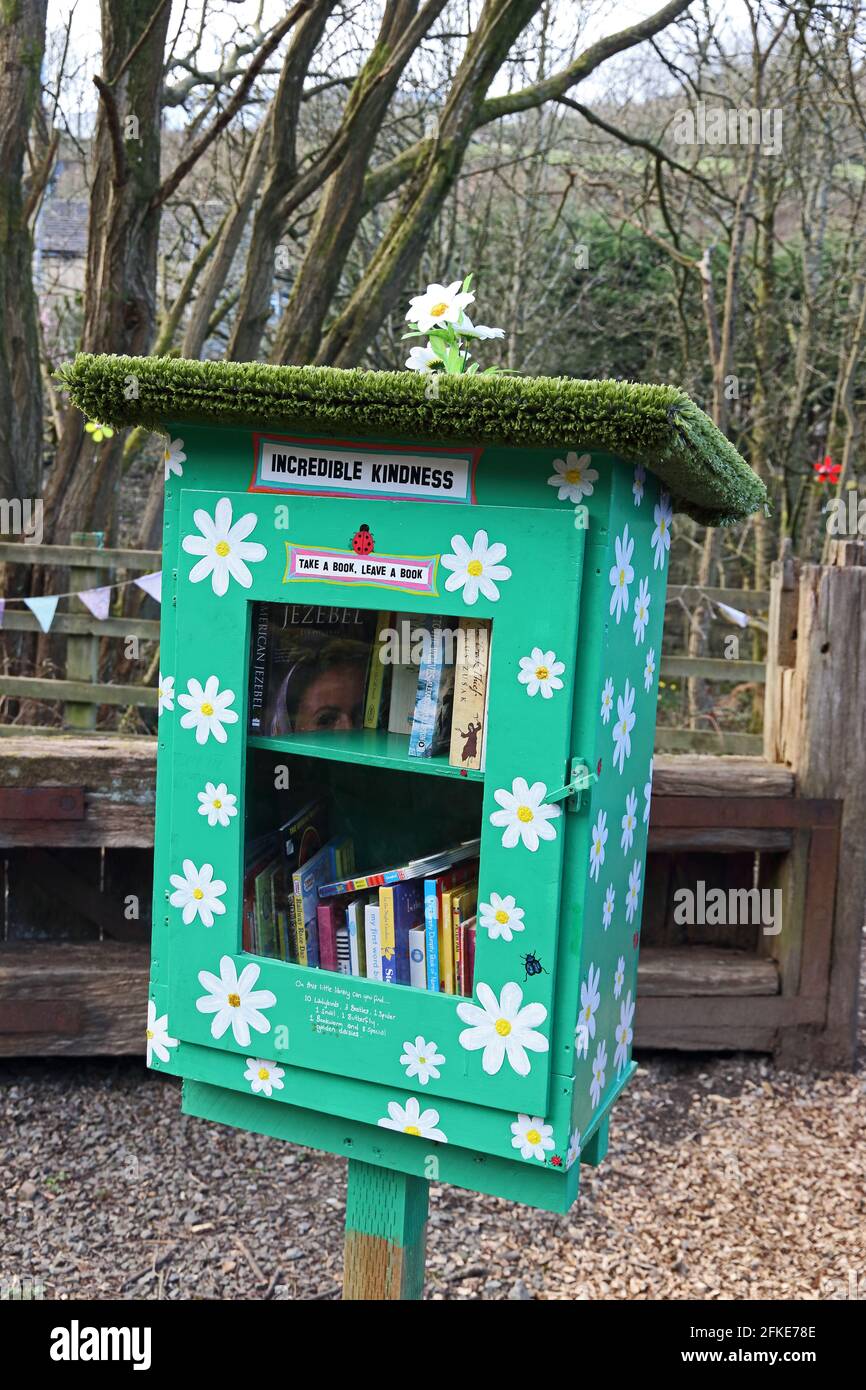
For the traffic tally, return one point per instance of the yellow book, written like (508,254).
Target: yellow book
(447,977)
(388,935)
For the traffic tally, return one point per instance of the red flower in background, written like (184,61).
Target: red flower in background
(827,471)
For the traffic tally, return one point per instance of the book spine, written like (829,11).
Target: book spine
(376,676)
(388,935)
(373,942)
(446,945)
(427,694)
(418,958)
(431,933)
(344,963)
(258,666)
(298,914)
(469,707)
(327,938)
(469,989)
(352,933)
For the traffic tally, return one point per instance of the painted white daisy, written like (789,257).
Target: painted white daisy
(476,567)
(264,1077)
(207,709)
(165,694)
(621,574)
(641,612)
(532,1137)
(422,359)
(233,1001)
(574,477)
(411,1119)
(198,893)
(637,486)
(607,910)
(649,669)
(619,977)
(173,458)
(501,917)
(624,1033)
(629,822)
(524,814)
(421,1059)
(224,548)
(625,719)
(590,998)
(648,794)
(598,1069)
(661,536)
(631,897)
(607,700)
(439,304)
(217,803)
(597,844)
(502,1028)
(573,1149)
(158,1040)
(541,671)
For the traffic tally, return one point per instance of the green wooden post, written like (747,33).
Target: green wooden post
(82,653)
(386,1233)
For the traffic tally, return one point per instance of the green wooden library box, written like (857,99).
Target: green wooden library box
(353,569)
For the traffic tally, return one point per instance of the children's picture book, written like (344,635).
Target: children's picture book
(373,941)
(401,907)
(435,886)
(470,694)
(309,667)
(416,868)
(431,718)
(418,958)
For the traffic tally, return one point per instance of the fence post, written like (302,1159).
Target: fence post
(82,653)
(386,1230)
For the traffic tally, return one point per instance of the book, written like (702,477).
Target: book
(434,887)
(418,958)
(330,917)
(344,964)
(401,907)
(464,901)
(376,683)
(416,868)
(258,665)
(266,921)
(309,668)
(466,978)
(404,690)
(469,706)
(355,930)
(431,718)
(372,941)
(305,882)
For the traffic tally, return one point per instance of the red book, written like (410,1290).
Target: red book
(330,916)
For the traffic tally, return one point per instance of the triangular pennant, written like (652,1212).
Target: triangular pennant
(43,610)
(151,584)
(97,600)
(734,615)
(2,610)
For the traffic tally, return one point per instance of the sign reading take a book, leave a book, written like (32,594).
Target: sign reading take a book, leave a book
(414,574)
(349,470)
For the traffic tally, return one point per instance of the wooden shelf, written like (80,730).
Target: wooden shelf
(364,746)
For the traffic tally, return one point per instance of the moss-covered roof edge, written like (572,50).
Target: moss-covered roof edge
(658,426)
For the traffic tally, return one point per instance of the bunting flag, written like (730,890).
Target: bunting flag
(151,584)
(97,601)
(734,615)
(2,610)
(43,609)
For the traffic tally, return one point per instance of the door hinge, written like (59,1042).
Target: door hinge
(579,780)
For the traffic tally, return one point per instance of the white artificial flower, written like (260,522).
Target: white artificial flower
(648,792)
(598,1068)
(621,574)
(573,1149)
(223,548)
(440,304)
(638,484)
(597,844)
(501,917)
(624,1033)
(198,893)
(607,700)
(207,709)
(502,1028)
(532,1137)
(524,815)
(649,669)
(467,329)
(541,671)
(174,458)
(422,359)
(619,977)
(421,1059)
(581,1039)
(233,1001)
(641,612)
(158,1040)
(264,1077)
(574,477)
(607,910)
(217,803)
(475,568)
(629,822)
(165,694)
(625,720)
(661,536)
(411,1119)
(590,998)
(631,897)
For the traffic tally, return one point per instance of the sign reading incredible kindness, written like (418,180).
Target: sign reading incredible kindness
(303,465)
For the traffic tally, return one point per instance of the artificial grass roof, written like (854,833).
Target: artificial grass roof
(655,425)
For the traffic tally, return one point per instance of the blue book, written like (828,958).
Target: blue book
(431,722)
(431,932)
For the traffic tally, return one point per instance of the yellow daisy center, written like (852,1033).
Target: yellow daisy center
(573,475)
(438,310)
(223,548)
(503,1027)
(541,673)
(149,1035)
(533,1136)
(587,1013)
(217,803)
(234,1001)
(622,576)
(524,813)
(167,455)
(623,727)
(207,709)
(422,1061)
(411,1129)
(197,893)
(598,846)
(474,568)
(263,1073)
(502,916)
(662,525)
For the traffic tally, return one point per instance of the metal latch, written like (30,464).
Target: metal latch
(579,780)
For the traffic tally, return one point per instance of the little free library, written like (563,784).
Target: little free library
(410,654)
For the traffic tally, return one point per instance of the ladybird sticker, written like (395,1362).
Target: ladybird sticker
(362,541)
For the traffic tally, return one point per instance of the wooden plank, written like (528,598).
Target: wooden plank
(707,741)
(724,1023)
(82,653)
(119,779)
(696,775)
(41,803)
(747,600)
(82,625)
(691,971)
(774,813)
(107,983)
(141,561)
(718,839)
(34,688)
(714,668)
